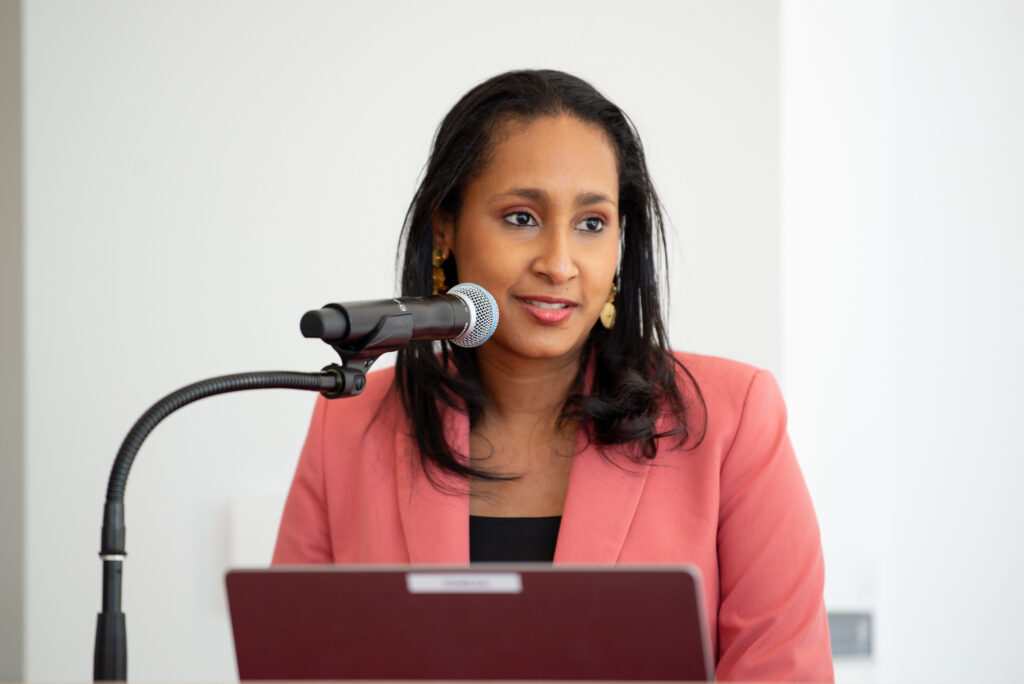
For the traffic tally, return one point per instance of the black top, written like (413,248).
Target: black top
(494,540)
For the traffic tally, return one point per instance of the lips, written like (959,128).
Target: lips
(550,306)
(547,310)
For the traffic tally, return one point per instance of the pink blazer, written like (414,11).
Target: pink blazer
(736,507)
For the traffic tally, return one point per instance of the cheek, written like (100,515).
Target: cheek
(468,263)
(605,264)
(486,261)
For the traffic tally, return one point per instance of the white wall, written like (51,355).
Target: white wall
(902,239)
(836,285)
(198,174)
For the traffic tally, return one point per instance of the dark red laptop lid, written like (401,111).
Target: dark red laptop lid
(479,622)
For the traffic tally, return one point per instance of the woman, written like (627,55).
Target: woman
(573,435)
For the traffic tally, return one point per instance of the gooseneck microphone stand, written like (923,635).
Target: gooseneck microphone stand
(110,658)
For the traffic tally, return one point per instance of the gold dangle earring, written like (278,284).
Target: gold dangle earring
(608,310)
(437,259)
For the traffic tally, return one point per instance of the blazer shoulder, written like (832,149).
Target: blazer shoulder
(716,376)
(729,392)
(736,397)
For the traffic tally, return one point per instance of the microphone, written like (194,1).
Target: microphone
(467,315)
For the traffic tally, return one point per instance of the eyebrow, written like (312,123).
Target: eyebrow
(536,195)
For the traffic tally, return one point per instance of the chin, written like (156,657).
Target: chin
(539,349)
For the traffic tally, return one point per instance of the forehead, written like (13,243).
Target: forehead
(559,153)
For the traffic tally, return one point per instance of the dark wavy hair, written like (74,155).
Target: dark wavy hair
(634,373)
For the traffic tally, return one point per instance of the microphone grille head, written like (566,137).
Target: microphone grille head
(484,314)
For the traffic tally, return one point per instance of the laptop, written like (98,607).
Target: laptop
(497,622)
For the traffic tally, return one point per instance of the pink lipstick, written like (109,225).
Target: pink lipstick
(548,310)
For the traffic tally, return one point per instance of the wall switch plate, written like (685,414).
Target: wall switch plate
(851,633)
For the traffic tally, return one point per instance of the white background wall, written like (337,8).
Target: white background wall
(844,179)
(199,174)
(902,245)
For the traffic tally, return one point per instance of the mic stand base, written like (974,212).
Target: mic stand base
(110,658)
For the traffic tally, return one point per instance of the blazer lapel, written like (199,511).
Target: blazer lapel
(435,521)
(599,505)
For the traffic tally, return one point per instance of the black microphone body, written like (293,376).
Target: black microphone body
(438,317)
(466,315)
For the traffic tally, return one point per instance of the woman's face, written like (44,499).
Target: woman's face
(539,230)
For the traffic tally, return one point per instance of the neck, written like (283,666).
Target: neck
(529,390)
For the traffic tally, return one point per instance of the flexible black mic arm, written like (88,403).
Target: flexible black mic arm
(110,659)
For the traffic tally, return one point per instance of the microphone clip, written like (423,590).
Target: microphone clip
(391,333)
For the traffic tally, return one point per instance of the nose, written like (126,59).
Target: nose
(555,259)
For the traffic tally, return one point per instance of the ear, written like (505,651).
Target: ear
(444,232)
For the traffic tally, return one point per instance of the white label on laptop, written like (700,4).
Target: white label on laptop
(464,583)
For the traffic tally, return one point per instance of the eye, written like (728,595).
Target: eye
(522,219)
(591,224)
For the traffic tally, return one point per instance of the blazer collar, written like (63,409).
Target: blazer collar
(604,489)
